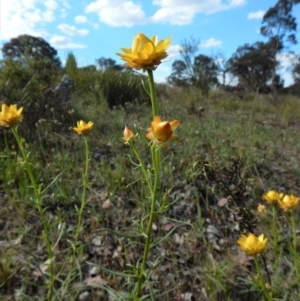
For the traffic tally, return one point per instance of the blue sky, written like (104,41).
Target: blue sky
(92,29)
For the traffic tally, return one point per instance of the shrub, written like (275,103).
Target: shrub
(32,87)
(117,88)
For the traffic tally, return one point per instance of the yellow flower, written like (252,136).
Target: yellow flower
(145,53)
(10,115)
(272,197)
(128,135)
(161,132)
(288,202)
(83,128)
(253,245)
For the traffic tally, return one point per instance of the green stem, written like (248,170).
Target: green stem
(155,152)
(142,272)
(83,200)
(152,93)
(38,202)
(266,269)
(295,253)
(261,281)
(144,169)
(276,246)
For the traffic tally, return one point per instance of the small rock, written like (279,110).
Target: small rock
(83,296)
(94,271)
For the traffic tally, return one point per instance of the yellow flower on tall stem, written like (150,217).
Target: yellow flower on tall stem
(162,132)
(10,115)
(253,245)
(83,128)
(289,202)
(145,53)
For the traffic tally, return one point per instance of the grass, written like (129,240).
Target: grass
(229,149)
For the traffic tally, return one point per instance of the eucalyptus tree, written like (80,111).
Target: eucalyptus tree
(279,26)
(252,66)
(200,70)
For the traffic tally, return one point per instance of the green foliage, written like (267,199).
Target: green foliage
(279,25)
(205,73)
(118,88)
(252,65)
(32,87)
(26,47)
(199,71)
(71,66)
(115,87)
(108,64)
(29,73)
(23,85)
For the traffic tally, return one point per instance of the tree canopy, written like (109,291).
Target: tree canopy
(252,65)
(194,70)
(279,25)
(71,66)
(26,47)
(203,73)
(108,64)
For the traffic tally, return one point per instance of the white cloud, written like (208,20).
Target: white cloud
(181,13)
(81,19)
(65,3)
(212,42)
(71,30)
(286,61)
(48,16)
(62,42)
(173,51)
(256,15)
(28,4)
(177,12)
(64,9)
(117,12)
(51,4)
(162,72)
(237,2)
(25,17)
(176,15)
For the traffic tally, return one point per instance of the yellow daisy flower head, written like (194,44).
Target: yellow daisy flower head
(253,245)
(83,128)
(288,202)
(162,132)
(271,197)
(145,53)
(10,115)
